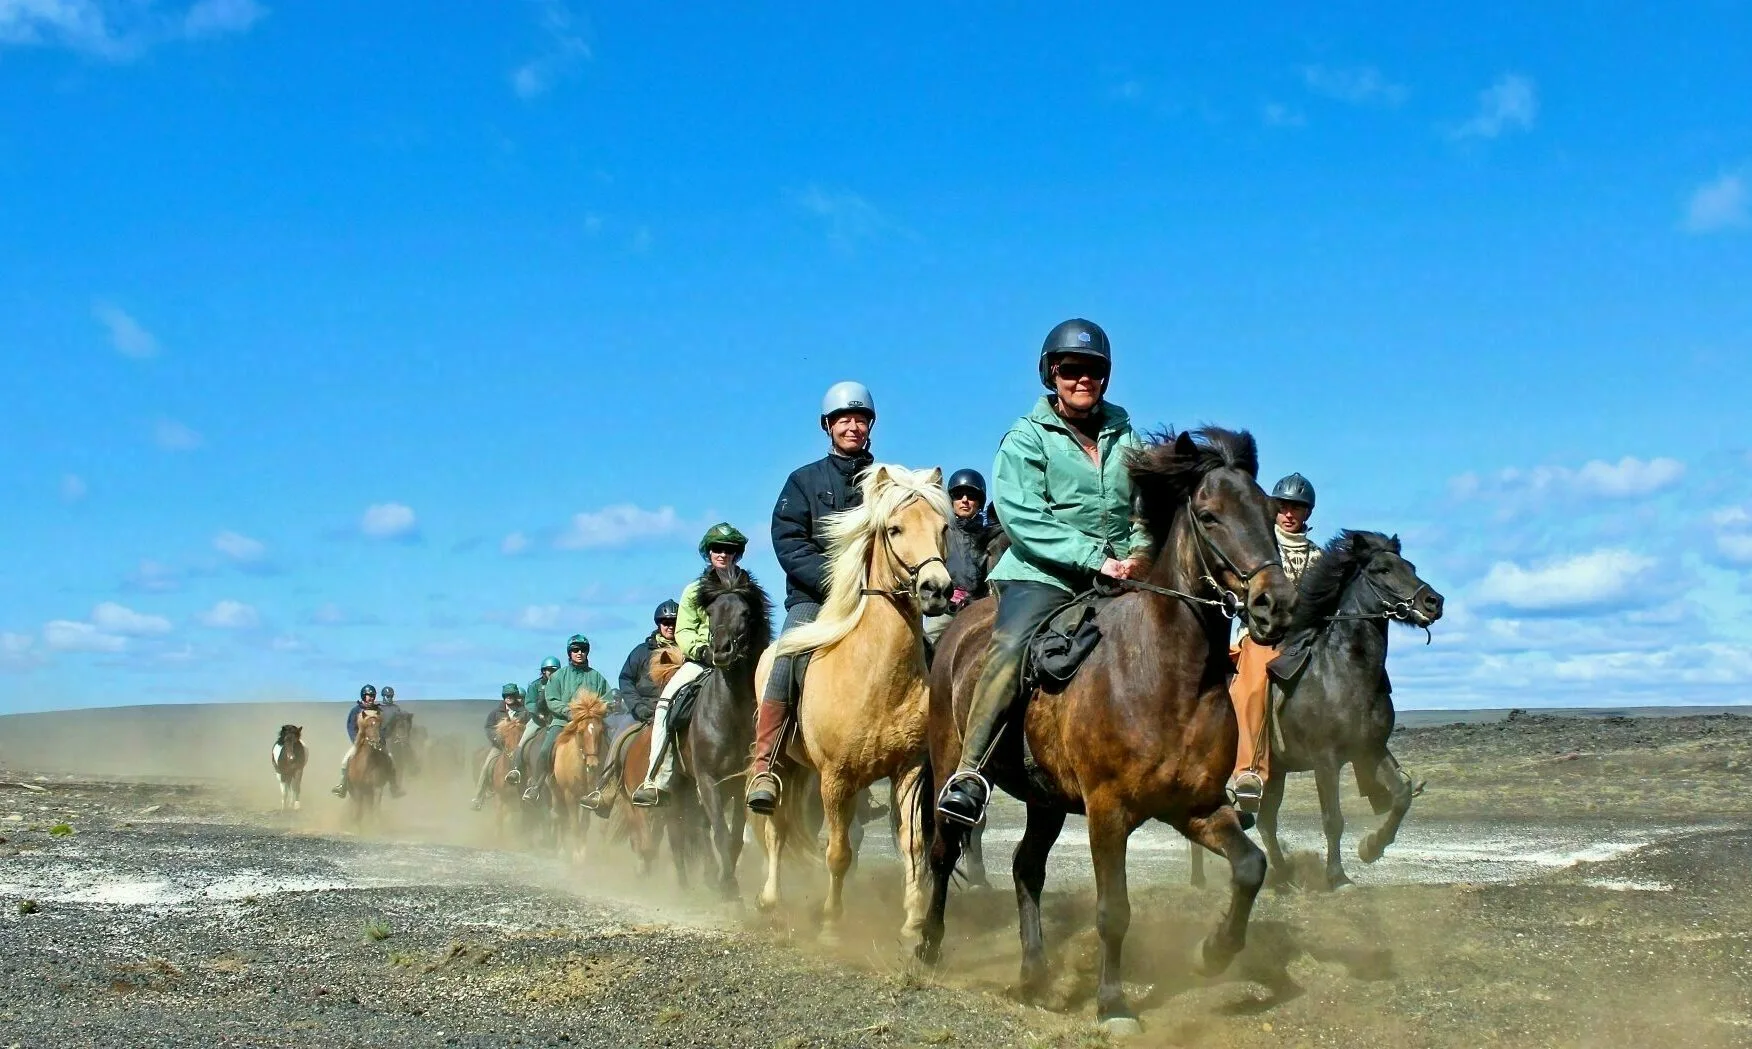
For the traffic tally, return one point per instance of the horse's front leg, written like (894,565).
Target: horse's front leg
(837,801)
(911,845)
(1221,832)
(1388,788)
(1028,867)
(1269,804)
(1332,819)
(711,800)
(772,836)
(1109,833)
(298,789)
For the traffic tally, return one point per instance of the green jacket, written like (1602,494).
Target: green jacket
(532,696)
(557,694)
(1064,514)
(692,628)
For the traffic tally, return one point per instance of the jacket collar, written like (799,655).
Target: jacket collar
(1113,418)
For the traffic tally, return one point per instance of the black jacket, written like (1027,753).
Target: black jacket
(811,493)
(496,715)
(968,542)
(638,693)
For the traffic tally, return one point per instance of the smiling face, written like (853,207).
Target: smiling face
(850,431)
(1293,517)
(1080,382)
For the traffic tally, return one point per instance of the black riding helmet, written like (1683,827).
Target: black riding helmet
(667,610)
(368,690)
(1075,337)
(967,479)
(1294,489)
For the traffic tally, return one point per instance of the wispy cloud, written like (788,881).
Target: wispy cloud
(1510,103)
(1276,114)
(1719,204)
(73,488)
(1357,85)
(120,619)
(126,334)
(1599,580)
(388,521)
(542,618)
(230,615)
(153,577)
(173,436)
(65,635)
(250,555)
(621,525)
(847,217)
(18,652)
(1732,528)
(119,30)
(513,544)
(1628,478)
(563,49)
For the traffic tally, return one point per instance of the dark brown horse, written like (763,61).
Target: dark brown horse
(289,760)
(1145,731)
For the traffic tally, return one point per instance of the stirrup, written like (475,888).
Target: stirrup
(476,804)
(1247,801)
(532,792)
(648,796)
(514,777)
(765,777)
(963,776)
(339,790)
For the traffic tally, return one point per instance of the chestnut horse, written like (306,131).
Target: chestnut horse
(1145,730)
(577,765)
(864,699)
(507,797)
(368,771)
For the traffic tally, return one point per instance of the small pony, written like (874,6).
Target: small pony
(289,759)
(368,772)
(577,767)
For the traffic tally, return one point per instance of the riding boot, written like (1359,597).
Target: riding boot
(1250,693)
(1022,608)
(530,728)
(483,781)
(340,789)
(770,724)
(651,791)
(601,800)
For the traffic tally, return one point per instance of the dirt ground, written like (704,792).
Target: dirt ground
(1563,882)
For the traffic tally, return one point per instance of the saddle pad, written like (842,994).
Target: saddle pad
(682,706)
(1292,657)
(1063,643)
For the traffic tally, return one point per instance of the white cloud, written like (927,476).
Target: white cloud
(1733,535)
(73,487)
(65,635)
(329,614)
(18,652)
(118,30)
(1360,85)
(1587,581)
(126,334)
(847,217)
(173,436)
(230,615)
(119,619)
(515,543)
(619,525)
(1276,114)
(1628,478)
(153,577)
(563,50)
(1511,103)
(1717,205)
(537,617)
(388,521)
(240,548)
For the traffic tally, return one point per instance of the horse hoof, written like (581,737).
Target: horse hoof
(1368,851)
(1121,1027)
(765,905)
(1210,959)
(1340,884)
(928,952)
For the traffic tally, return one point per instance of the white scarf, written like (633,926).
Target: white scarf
(1297,552)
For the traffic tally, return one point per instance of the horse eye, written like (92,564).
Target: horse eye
(893,530)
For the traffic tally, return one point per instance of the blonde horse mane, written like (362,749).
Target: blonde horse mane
(665,662)
(850,537)
(585,705)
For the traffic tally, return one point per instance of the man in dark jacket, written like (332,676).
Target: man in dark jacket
(638,694)
(970,536)
(811,494)
(510,706)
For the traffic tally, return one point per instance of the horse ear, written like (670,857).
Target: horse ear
(1184,446)
(935,477)
(880,476)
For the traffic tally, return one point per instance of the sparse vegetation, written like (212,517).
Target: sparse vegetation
(28,907)
(376,930)
(61,830)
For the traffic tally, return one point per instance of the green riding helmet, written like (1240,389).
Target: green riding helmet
(510,689)
(550,663)
(723,534)
(578,641)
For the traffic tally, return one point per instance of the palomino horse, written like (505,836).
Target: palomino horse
(289,759)
(714,750)
(861,717)
(1339,707)
(507,797)
(1145,730)
(368,771)
(577,765)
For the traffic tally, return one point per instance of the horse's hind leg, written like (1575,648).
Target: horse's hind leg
(837,802)
(975,869)
(1332,819)
(909,843)
(1109,833)
(1278,872)
(1389,789)
(1028,867)
(1221,832)
(945,851)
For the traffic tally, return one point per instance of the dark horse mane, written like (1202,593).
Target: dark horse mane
(714,585)
(1165,472)
(1322,585)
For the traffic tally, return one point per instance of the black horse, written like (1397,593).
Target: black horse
(1336,706)
(720,736)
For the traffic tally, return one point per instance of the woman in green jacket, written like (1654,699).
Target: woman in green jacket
(1064,495)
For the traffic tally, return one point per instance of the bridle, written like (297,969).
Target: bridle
(1227,601)
(1392,606)
(910,592)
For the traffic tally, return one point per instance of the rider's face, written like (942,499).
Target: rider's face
(1292,517)
(721,557)
(965,502)
(578,656)
(547,672)
(666,629)
(1080,382)
(850,431)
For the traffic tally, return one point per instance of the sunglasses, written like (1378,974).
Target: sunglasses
(666,621)
(723,550)
(1072,371)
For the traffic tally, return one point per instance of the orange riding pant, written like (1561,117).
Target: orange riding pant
(1250,692)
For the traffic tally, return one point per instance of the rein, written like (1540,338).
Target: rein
(1227,601)
(1399,609)
(908,593)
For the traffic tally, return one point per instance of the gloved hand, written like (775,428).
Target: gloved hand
(702,654)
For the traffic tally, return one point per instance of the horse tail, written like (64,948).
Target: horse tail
(924,812)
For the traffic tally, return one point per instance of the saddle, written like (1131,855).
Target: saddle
(681,707)
(1063,643)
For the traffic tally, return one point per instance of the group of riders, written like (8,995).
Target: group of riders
(1059,508)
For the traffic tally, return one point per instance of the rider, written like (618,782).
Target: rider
(638,694)
(970,535)
(510,706)
(532,698)
(1250,690)
(367,701)
(556,704)
(722,546)
(1063,490)
(811,493)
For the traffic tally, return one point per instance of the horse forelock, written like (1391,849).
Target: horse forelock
(743,585)
(1322,585)
(1171,466)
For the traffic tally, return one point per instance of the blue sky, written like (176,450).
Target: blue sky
(396,342)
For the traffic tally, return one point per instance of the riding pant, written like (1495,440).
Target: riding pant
(1250,692)
(662,767)
(1022,607)
(779,686)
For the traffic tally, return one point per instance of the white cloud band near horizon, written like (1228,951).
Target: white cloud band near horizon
(1600,579)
